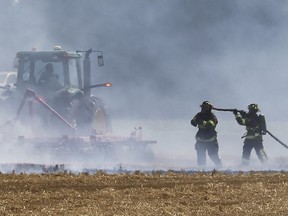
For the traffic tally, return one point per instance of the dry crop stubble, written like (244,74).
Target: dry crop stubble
(157,193)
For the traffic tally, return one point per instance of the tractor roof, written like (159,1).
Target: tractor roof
(48,54)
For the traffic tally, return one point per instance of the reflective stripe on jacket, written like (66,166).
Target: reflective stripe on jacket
(206,123)
(251,121)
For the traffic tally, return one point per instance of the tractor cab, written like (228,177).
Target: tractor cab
(37,67)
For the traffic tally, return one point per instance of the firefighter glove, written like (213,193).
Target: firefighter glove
(194,123)
(202,124)
(263,132)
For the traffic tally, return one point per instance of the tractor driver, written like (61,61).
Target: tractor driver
(48,80)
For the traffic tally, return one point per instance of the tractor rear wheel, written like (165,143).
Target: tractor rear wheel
(100,120)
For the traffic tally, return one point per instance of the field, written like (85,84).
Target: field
(152,193)
(139,193)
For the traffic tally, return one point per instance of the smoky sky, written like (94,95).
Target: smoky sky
(164,57)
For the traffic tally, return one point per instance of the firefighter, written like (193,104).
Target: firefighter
(206,137)
(256,127)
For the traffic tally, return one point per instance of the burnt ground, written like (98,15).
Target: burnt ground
(137,193)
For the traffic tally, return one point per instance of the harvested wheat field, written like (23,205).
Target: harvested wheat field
(137,193)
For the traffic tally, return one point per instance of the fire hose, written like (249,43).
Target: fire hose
(241,112)
(277,139)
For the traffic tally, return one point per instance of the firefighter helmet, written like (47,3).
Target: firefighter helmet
(206,104)
(253,108)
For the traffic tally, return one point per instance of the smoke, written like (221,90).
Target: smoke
(164,58)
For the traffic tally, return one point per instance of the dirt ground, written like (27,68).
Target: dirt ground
(170,193)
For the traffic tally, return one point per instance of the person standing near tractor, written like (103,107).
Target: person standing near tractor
(206,137)
(256,127)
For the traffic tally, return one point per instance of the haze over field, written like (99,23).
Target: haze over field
(165,57)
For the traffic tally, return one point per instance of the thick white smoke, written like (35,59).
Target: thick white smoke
(164,58)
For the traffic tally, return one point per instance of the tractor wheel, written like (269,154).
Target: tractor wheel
(100,119)
(90,115)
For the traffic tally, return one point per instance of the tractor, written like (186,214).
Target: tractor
(56,77)
(52,104)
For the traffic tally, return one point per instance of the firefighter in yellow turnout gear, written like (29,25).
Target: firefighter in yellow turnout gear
(256,127)
(206,137)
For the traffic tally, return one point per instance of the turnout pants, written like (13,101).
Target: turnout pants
(212,149)
(257,144)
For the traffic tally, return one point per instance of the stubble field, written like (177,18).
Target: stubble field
(138,193)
